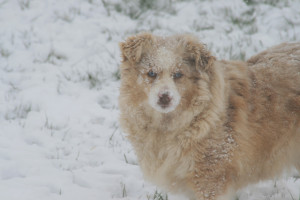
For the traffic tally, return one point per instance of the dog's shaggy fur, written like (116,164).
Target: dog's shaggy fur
(205,127)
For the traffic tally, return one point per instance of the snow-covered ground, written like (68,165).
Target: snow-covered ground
(59,131)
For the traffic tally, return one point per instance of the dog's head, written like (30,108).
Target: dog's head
(165,72)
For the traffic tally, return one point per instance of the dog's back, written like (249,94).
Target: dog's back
(278,69)
(267,112)
(279,66)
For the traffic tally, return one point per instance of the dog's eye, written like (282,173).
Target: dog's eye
(152,74)
(177,75)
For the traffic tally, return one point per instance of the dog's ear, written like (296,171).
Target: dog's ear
(196,53)
(134,47)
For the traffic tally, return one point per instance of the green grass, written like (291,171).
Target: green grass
(124,192)
(4,53)
(136,8)
(24,4)
(158,196)
(275,3)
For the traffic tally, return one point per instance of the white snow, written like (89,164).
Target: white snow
(59,131)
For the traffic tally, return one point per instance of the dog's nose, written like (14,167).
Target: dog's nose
(164,99)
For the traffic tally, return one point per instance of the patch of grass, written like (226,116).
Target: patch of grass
(296,177)
(246,21)
(54,57)
(147,5)
(106,6)
(199,26)
(134,9)
(124,191)
(275,3)
(26,39)
(52,128)
(129,8)
(24,4)
(236,56)
(125,157)
(92,79)
(69,15)
(19,112)
(158,196)
(117,75)
(4,53)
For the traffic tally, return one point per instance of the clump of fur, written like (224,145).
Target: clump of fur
(221,125)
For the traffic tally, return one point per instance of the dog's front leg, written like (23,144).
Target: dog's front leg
(214,191)
(226,196)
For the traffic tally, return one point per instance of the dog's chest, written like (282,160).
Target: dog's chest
(164,162)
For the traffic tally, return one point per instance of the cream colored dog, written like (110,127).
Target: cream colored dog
(205,127)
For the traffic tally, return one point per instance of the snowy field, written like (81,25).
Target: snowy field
(59,131)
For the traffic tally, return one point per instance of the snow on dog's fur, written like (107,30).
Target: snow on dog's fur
(204,127)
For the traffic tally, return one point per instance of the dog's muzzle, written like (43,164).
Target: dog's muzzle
(164,100)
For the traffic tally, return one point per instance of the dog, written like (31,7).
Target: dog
(205,127)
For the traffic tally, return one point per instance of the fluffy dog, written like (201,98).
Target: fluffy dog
(205,127)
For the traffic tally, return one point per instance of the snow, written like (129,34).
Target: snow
(59,131)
